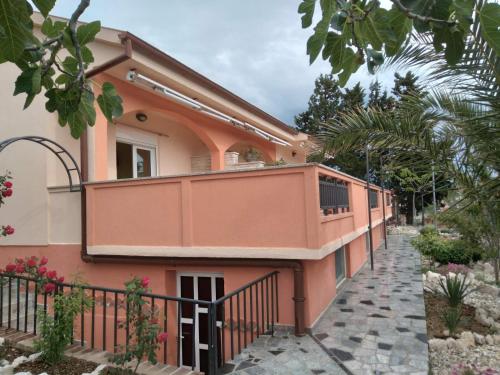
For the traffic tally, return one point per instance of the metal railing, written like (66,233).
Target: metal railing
(333,195)
(373,198)
(251,310)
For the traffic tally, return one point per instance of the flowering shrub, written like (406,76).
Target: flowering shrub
(463,369)
(458,268)
(144,331)
(55,331)
(5,192)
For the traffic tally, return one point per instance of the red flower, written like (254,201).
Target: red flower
(50,287)
(8,230)
(42,270)
(44,261)
(145,282)
(20,261)
(20,268)
(7,193)
(52,274)
(7,184)
(10,268)
(162,337)
(31,262)
(61,279)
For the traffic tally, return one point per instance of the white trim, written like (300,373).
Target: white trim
(230,252)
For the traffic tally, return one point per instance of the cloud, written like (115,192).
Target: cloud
(257,49)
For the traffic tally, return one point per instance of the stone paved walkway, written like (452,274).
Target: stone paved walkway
(376,325)
(377,322)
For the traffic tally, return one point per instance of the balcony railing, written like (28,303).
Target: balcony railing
(333,194)
(234,321)
(373,198)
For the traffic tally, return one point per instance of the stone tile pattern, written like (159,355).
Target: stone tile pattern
(386,331)
(283,354)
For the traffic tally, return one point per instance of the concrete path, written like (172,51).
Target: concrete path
(377,322)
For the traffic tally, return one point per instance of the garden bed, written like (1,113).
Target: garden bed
(435,308)
(68,366)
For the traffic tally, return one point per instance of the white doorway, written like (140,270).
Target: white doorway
(194,318)
(340,266)
(134,160)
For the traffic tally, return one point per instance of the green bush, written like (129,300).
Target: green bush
(444,250)
(455,289)
(428,230)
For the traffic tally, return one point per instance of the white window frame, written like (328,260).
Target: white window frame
(338,283)
(143,146)
(196,310)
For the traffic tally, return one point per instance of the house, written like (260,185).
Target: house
(194,187)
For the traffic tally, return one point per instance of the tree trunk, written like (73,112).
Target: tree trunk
(422,208)
(413,208)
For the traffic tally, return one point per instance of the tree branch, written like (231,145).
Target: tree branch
(72,28)
(419,17)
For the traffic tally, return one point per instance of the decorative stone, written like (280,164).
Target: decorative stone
(437,344)
(479,338)
(468,339)
(489,340)
(496,339)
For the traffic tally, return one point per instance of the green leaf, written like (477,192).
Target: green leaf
(44,6)
(338,21)
(29,81)
(307,9)
(84,116)
(463,10)
(335,47)
(377,28)
(16,23)
(349,66)
(110,102)
(52,29)
(86,33)
(316,41)
(401,28)
(490,22)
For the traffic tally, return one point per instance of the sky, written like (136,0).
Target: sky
(256,49)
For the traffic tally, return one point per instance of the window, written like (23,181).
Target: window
(135,160)
(340,265)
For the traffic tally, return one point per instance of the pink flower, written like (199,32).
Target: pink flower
(42,270)
(7,184)
(20,261)
(145,282)
(50,287)
(44,261)
(31,262)
(10,268)
(162,337)
(8,230)
(20,268)
(52,275)
(61,279)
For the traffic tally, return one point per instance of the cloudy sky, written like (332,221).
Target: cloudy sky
(257,48)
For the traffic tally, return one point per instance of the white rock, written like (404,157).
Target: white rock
(479,338)
(2,341)
(496,339)
(7,370)
(34,356)
(463,344)
(489,340)
(488,268)
(438,344)
(97,371)
(23,373)
(468,339)
(452,344)
(19,360)
(446,332)
(424,278)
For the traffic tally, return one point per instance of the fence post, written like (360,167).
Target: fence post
(212,339)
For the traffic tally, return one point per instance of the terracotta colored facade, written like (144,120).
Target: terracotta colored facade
(230,220)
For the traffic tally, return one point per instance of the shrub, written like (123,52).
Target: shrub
(463,369)
(443,250)
(428,230)
(144,332)
(451,319)
(56,331)
(458,268)
(455,289)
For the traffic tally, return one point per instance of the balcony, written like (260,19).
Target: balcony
(289,212)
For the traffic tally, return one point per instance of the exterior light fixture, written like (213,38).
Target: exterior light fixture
(142,117)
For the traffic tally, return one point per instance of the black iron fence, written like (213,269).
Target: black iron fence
(233,321)
(373,198)
(334,195)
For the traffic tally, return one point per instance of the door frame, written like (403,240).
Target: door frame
(196,311)
(338,283)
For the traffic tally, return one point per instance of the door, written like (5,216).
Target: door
(340,265)
(367,244)
(194,318)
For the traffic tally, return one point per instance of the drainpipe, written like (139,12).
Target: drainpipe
(383,201)
(369,206)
